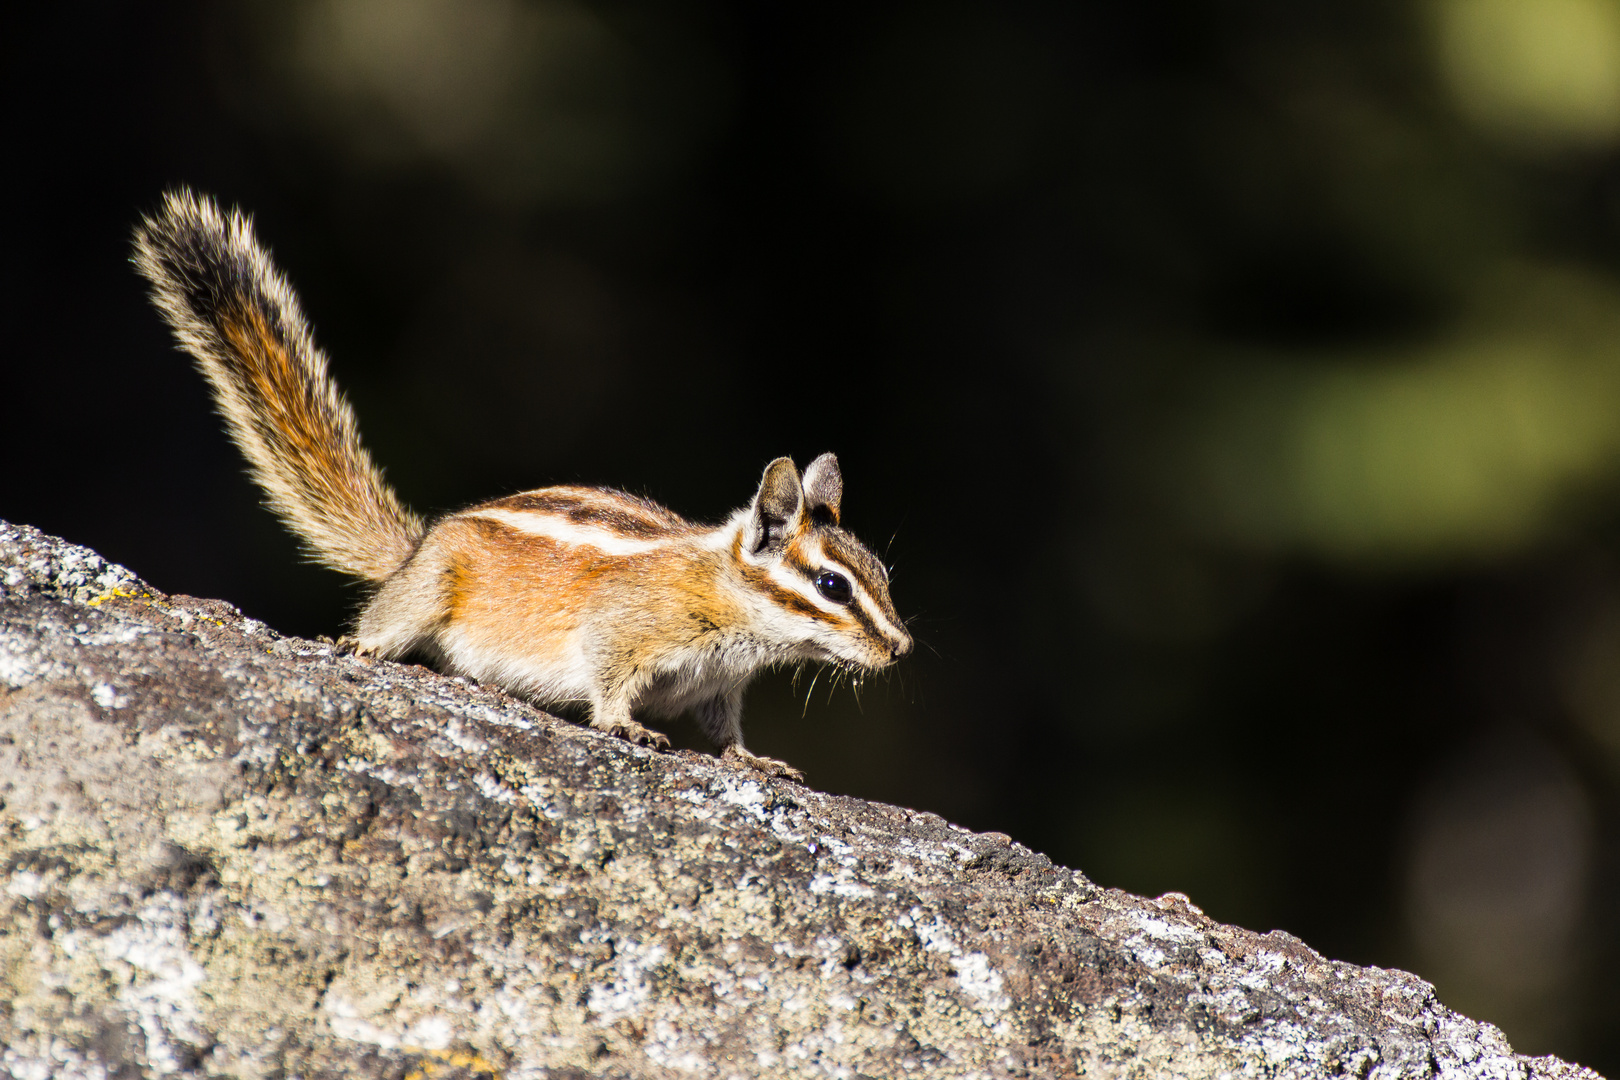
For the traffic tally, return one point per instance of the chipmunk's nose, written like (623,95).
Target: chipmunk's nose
(900,648)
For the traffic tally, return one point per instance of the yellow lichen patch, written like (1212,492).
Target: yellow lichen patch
(438,1063)
(122,594)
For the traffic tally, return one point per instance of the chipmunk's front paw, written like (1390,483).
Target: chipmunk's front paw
(630,731)
(768,766)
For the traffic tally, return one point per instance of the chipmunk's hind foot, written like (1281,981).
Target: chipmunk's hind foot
(350,645)
(768,766)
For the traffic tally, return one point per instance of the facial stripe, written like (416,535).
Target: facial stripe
(790,582)
(784,594)
(806,559)
(879,618)
(781,590)
(839,547)
(795,562)
(865,609)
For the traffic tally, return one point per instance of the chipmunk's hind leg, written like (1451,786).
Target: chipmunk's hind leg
(410,609)
(721,720)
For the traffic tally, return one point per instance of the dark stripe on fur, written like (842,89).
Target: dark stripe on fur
(611,510)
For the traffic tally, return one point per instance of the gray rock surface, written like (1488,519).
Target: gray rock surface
(228,852)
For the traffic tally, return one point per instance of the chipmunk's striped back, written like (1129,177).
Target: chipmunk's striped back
(602,523)
(611,521)
(563,594)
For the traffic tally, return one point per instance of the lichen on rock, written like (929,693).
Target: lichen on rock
(228,852)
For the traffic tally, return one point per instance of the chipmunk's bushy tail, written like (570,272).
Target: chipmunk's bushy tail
(236,315)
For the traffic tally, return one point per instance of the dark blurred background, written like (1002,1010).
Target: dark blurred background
(1234,385)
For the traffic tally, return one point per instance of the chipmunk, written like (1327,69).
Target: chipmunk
(558,595)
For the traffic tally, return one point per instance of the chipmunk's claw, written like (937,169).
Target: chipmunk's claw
(350,645)
(768,766)
(630,731)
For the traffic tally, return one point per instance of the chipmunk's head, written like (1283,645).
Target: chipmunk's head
(826,594)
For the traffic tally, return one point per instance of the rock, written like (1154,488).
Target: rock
(229,852)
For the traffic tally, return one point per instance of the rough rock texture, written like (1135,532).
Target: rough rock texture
(225,851)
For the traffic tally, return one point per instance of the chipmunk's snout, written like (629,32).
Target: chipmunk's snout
(893,647)
(886,633)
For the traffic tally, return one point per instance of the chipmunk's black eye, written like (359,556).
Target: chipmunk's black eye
(834,587)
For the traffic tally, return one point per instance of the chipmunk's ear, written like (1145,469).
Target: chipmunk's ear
(823,489)
(777,505)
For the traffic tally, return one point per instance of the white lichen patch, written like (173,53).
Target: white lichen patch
(1151,939)
(107,696)
(838,874)
(751,797)
(16,670)
(26,884)
(346,1021)
(669,1047)
(493,790)
(115,634)
(626,991)
(392,1015)
(431,1032)
(149,959)
(456,734)
(46,1057)
(978,980)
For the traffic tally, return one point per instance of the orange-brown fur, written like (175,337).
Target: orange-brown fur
(560,594)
